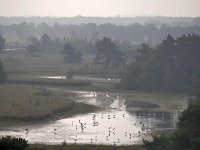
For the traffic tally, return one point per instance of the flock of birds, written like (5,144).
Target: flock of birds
(110,133)
(112,130)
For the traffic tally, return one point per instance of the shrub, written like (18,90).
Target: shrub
(12,143)
(158,143)
(3,75)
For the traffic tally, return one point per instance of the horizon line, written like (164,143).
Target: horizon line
(117,16)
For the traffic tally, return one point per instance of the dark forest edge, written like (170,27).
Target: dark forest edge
(185,137)
(172,66)
(187,134)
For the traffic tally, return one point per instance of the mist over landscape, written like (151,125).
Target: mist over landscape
(99,75)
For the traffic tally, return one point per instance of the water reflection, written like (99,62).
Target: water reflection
(113,125)
(94,79)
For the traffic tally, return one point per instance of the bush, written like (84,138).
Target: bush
(12,143)
(185,137)
(158,143)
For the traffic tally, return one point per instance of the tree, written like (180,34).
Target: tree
(187,136)
(158,143)
(32,50)
(197,85)
(2,43)
(172,65)
(108,54)
(3,75)
(46,42)
(12,143)
(143,51)
(71,55)
(35,42)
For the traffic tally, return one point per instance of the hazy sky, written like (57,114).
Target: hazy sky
(99,7)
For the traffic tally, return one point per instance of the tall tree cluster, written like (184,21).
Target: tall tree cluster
(108,55)
(3,75)
(45,44)
(187,134)
(2,43)
(71,55)
(172,65)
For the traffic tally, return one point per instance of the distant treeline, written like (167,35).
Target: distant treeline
(135,33)
(173,65)
(118,20)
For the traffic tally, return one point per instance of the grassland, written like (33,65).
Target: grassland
(48,62)
(83,147)
(36,103)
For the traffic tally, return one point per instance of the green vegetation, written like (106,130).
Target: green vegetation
(108,54)
(3,75)
(186,136)
(11,143)
(158,143)
(33,103)
(71,55)
(16,62)
(32,50)
(172,65)
(83,147)
(46,55)
(2,43)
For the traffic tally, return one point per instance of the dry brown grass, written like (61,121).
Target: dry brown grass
(30,103)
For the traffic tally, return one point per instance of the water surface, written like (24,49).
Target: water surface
(112,125)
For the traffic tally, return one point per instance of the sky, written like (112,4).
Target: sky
(102,8)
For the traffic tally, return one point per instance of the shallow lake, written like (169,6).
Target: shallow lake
(112,125)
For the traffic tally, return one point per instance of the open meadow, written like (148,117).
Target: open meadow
(29,103)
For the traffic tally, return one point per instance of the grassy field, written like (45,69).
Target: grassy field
(83,147)
(16,61)
(48,62)
(36,103)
